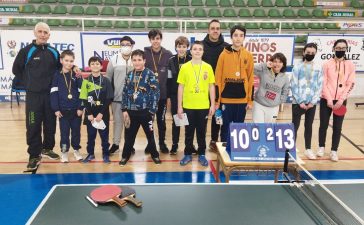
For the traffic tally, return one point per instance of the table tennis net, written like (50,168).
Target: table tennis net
(324,207)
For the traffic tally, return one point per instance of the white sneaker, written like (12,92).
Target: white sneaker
(77,155)
(64,157)
(333,156)
(309,154)
(321,152)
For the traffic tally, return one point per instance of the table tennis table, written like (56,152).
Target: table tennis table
(197,204)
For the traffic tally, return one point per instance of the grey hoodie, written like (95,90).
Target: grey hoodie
(273,90)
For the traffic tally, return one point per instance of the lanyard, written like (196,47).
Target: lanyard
(155,65)
(341,73)
(197,77)
(68,85)
(97,92)
(136,85)
(237,73)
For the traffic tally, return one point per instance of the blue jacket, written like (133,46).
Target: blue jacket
(59,92)
(148,92)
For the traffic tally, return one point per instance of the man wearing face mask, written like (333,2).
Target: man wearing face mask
(338,81)
(306,86)
(119,65)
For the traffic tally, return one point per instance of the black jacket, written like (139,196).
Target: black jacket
(35,65)
(212,50)
(173,70)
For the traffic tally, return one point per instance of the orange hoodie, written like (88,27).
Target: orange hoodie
(235,76)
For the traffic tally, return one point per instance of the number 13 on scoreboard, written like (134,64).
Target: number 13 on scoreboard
(248,136)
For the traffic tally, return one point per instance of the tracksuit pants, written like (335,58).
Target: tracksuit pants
(231,113)
(175,129)
(139,118)
(197,119)
(161,120)
(325,113)
(70,121)
(91,137)
(118,122)
(297,113)
(39,118)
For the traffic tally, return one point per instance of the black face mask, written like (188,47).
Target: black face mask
(339,54)
(309,58)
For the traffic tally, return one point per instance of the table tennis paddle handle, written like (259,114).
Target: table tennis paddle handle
(133,200)
(119,201)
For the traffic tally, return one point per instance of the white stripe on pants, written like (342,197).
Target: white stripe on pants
(264,114)
(118,122)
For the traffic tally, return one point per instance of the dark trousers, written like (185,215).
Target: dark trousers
(231,113)
(137,119)
(39,117)
(325,113)
(91,136)
(161,120)
(197,119)
(70,121)
(297,112)
(215,129)
(175,129)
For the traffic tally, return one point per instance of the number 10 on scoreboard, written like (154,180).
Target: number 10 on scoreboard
(249,136)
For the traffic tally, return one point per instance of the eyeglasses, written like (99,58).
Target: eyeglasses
(340,49)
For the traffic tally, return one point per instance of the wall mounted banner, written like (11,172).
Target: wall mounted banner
(325,51)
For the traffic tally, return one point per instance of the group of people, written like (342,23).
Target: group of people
(203,77)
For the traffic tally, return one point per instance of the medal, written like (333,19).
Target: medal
(197,77)
(197,90)
(69,96)
(154,63)
(340,85)
(237,74)
(135,95)
(98,103)
(97,92)
(156,74)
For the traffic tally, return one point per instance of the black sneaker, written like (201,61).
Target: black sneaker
(147,151)
(114,148)
(33,163)
(123,162)
(157,160)
(50,154)
(163,148)
(174,149)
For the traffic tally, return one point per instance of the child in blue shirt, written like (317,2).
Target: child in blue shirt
(67,106)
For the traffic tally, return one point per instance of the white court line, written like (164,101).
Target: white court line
(41,205)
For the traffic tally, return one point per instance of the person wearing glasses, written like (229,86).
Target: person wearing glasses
(338,81)
(119,65)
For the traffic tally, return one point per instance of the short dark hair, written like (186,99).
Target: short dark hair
(67,52)
(138,52)
(282,58)
(94,59)
(127,38)
(340,41)
(182,40)
(197,43)
(213,21)
(237,27)
(154,33)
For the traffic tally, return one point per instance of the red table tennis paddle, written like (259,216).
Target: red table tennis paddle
(340,111)
(107,193)
(128,194)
